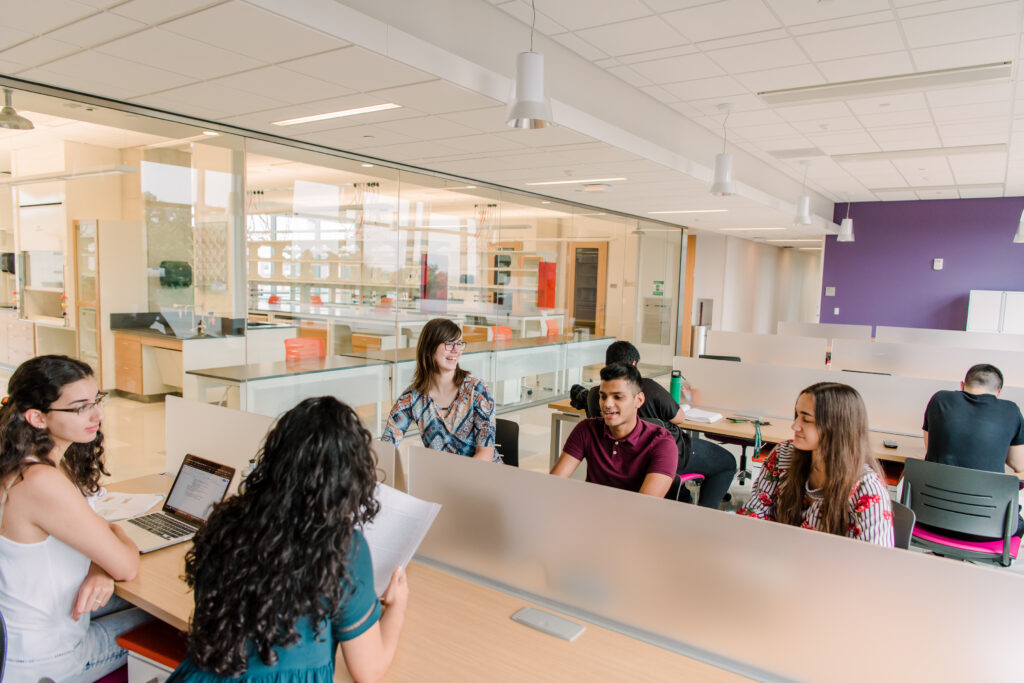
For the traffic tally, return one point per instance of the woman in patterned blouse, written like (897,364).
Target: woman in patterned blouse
(453,410)
(826,478)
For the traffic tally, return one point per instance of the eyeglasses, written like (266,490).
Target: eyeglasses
(453,345)
(101,400)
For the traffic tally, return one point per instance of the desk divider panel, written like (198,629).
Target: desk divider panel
(826,330)
(766,600)
(804,352)
(894,404)
(932,361)
(959,338)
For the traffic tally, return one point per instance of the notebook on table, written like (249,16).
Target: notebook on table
(199,485)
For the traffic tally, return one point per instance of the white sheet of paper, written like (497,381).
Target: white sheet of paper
(396,532)
(698,415)
(116,506)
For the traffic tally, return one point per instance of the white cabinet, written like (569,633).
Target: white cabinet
(995,311)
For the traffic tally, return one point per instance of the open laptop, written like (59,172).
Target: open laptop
(199,485)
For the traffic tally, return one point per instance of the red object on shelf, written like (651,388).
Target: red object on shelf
(502,332)
(316,300)
(298,348)
(274,299)
(552,327)
(546,284)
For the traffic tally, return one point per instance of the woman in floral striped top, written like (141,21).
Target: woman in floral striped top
(826,478)
(453,410)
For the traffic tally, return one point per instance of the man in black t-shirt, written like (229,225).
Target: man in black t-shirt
(716,463)
(973,427)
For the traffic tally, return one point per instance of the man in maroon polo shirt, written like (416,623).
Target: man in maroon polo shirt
(621,450)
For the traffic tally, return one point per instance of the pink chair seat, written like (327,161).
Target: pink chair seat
(990,547)
(683,478)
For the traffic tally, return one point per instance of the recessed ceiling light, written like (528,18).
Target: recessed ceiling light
(366,165)
(338,114)
(210,133)
(808,248)
(816,241)
(470,187)
(739,229)
(658,213)
(576,181)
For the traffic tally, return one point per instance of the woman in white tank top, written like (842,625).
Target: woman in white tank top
(58,558)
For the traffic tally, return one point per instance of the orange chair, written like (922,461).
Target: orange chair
(316,300)
(552,328)
(298,348)
(274,299)
(501,332)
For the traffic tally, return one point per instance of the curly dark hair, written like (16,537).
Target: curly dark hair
(37,383)
(278,550)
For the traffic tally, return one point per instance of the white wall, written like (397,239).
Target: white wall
(755,285)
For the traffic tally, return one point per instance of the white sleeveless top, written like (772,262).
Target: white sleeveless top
(38,585)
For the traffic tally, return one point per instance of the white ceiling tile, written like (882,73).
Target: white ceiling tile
(217,96)
(973,112)
(771,55)
(38,51)
(771,130)
(577,14)
(700,89)
(96,29)
(841,23)
(709,107)
(802,12)
(782,144)
(358,69)
(906,137)
(676,69)
(629,76)
(172,52)
(660,94)
(745,39)
(266,36)
(938,194)
(897,196)
(925,171)
(434,97)
(969,24)
(356,136)
(608,62)
(635,35)
(79,82)
(156,11)
(481,144)
(651,55)
(987,132)
(100,4)
(975,169)
(722,19)
(12,36)
(828,125)
(870,66)
(760,117)
(781,78)
(686,109)
(888,103)
(521,11)
(949,97)
(812,112)
(428,128)
(410,151)
(40,16)
(544,137)
(965,54)
(980,193)
(896,118)
(852,142)
(917,8)
(10,68)
(580,46)
(124,74)
(853,42)
(488,120)
(282,85)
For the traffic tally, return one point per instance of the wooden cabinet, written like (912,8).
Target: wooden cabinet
(128,364)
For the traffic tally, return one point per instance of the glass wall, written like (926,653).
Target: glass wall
(251,274)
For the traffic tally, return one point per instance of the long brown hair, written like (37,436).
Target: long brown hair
(842,423)
(435,333)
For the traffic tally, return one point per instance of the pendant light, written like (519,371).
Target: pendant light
(721,185)
(528,108)
(1019,237)
(846,227)
(10,118)
(803,205)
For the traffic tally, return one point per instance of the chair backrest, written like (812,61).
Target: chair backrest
(961,500)
(274,299)
(507,438)
(552,328)
(735,359)
(316,300)
(297,348)
(902,524)
(501,332)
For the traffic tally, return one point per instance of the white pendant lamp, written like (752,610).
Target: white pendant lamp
(10,118)
(528,107)
(721,184)
(846,227)
(1019,237)
(803,204)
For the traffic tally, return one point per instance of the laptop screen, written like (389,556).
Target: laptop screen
(199,486)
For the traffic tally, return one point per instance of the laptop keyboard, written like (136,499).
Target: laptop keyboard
(163,526)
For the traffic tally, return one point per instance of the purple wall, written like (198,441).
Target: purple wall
(885,276)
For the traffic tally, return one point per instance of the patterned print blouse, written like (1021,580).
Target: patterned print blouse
(459,429)
(869,509)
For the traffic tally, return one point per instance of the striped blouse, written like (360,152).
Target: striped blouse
(469,421)
(869,508)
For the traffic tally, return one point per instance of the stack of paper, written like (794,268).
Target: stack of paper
(706,416)
(116,506)
(396,532)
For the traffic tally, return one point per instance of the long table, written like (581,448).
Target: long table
(455,629)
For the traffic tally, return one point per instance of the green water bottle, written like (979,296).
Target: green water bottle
(676,386)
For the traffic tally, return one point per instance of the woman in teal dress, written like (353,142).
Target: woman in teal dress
(281,572)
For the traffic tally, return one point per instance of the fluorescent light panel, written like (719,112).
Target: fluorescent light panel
(741,229)
(921,153)
(337,114)
(660,213)
(933,188)
(576,181)
(867,87)
(817,240)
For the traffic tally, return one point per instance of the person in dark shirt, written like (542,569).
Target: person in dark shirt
(716,463)
(975,428)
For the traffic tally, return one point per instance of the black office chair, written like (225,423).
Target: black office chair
(735,359)
(961,501)
(507,441)
(902,524)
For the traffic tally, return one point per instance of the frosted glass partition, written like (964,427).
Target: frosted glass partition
(804,352)
(230,437)
(826,330)
(960,338)
(580,354)
(770,601)
(924,360)
(894,404)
